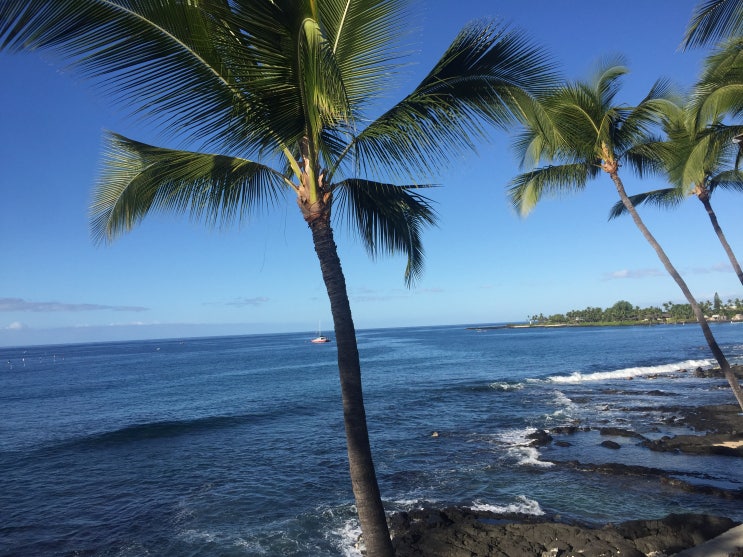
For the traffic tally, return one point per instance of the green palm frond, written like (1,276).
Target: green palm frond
(666,198)
(388,218)
(729,180)
(364,36)
(527,189)
(137,179)
(648,157)
(481,81)
(660,104)
(538,137)
(136,50)
(606,79)
(719,91)
(713,20)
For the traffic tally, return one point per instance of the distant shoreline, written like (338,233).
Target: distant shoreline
(603,324)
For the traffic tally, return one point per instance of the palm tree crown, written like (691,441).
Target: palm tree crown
(579,131)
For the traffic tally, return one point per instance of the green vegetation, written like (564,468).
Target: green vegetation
(624,313)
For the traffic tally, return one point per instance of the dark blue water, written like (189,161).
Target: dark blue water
(234,446)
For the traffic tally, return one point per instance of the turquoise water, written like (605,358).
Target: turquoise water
(235,445)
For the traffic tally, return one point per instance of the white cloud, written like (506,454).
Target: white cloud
(16,326)
(19,304)
(633,274)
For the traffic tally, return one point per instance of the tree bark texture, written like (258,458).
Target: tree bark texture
(363,477)
(713,219)
(709,337)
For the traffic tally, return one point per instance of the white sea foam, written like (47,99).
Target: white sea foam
(562,399)
(524,506)
(350,539)
(630,372)
(414,503)
(519,448)
(528,456)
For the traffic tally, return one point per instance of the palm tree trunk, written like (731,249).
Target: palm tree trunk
(711,342)
(363,477)
(721,236)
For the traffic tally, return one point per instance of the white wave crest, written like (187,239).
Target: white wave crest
(629,372)
(503,386)
(528,456)
(523,506)
(517,447)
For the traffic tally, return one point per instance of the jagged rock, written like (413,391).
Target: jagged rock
(539,438)
(461,532)
(620,432)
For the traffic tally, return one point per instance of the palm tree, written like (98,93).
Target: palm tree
(713,20)
(696,164)
(286,91)
(578,131)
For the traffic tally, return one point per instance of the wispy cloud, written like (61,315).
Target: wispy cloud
(633,274)
(365,295)
(644,273)
(242,302)
(16,326)
(19,304)
(718,268)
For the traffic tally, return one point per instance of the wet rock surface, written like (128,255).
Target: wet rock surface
(461,532)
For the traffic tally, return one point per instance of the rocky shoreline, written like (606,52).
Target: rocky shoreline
(460,532)
(463,532)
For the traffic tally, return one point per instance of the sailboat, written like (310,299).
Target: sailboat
(319,339)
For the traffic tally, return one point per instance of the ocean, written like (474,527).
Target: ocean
(234,446)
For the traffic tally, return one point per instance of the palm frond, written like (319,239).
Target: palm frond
(730,180)
(666,198)
(137,179)
(606,78)
(661,104)
(719,90)
(135,50)
(648,157)
(481,81)
(325,105)
(713,20)
(527,189)
(365,37)
(388,218)
(539,137)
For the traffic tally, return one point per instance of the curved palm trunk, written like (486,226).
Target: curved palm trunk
(711,342)
(363,477)
(713,219)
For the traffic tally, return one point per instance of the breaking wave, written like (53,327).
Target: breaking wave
(630,372)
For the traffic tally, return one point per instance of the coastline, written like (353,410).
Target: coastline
(598,324)
(463,531)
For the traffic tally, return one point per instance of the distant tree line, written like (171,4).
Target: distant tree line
(625,312)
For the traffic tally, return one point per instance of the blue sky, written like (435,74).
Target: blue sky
(171,277)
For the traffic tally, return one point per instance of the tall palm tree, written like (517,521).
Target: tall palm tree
(579,132)
(695,164)
(713,20)
(286,91)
